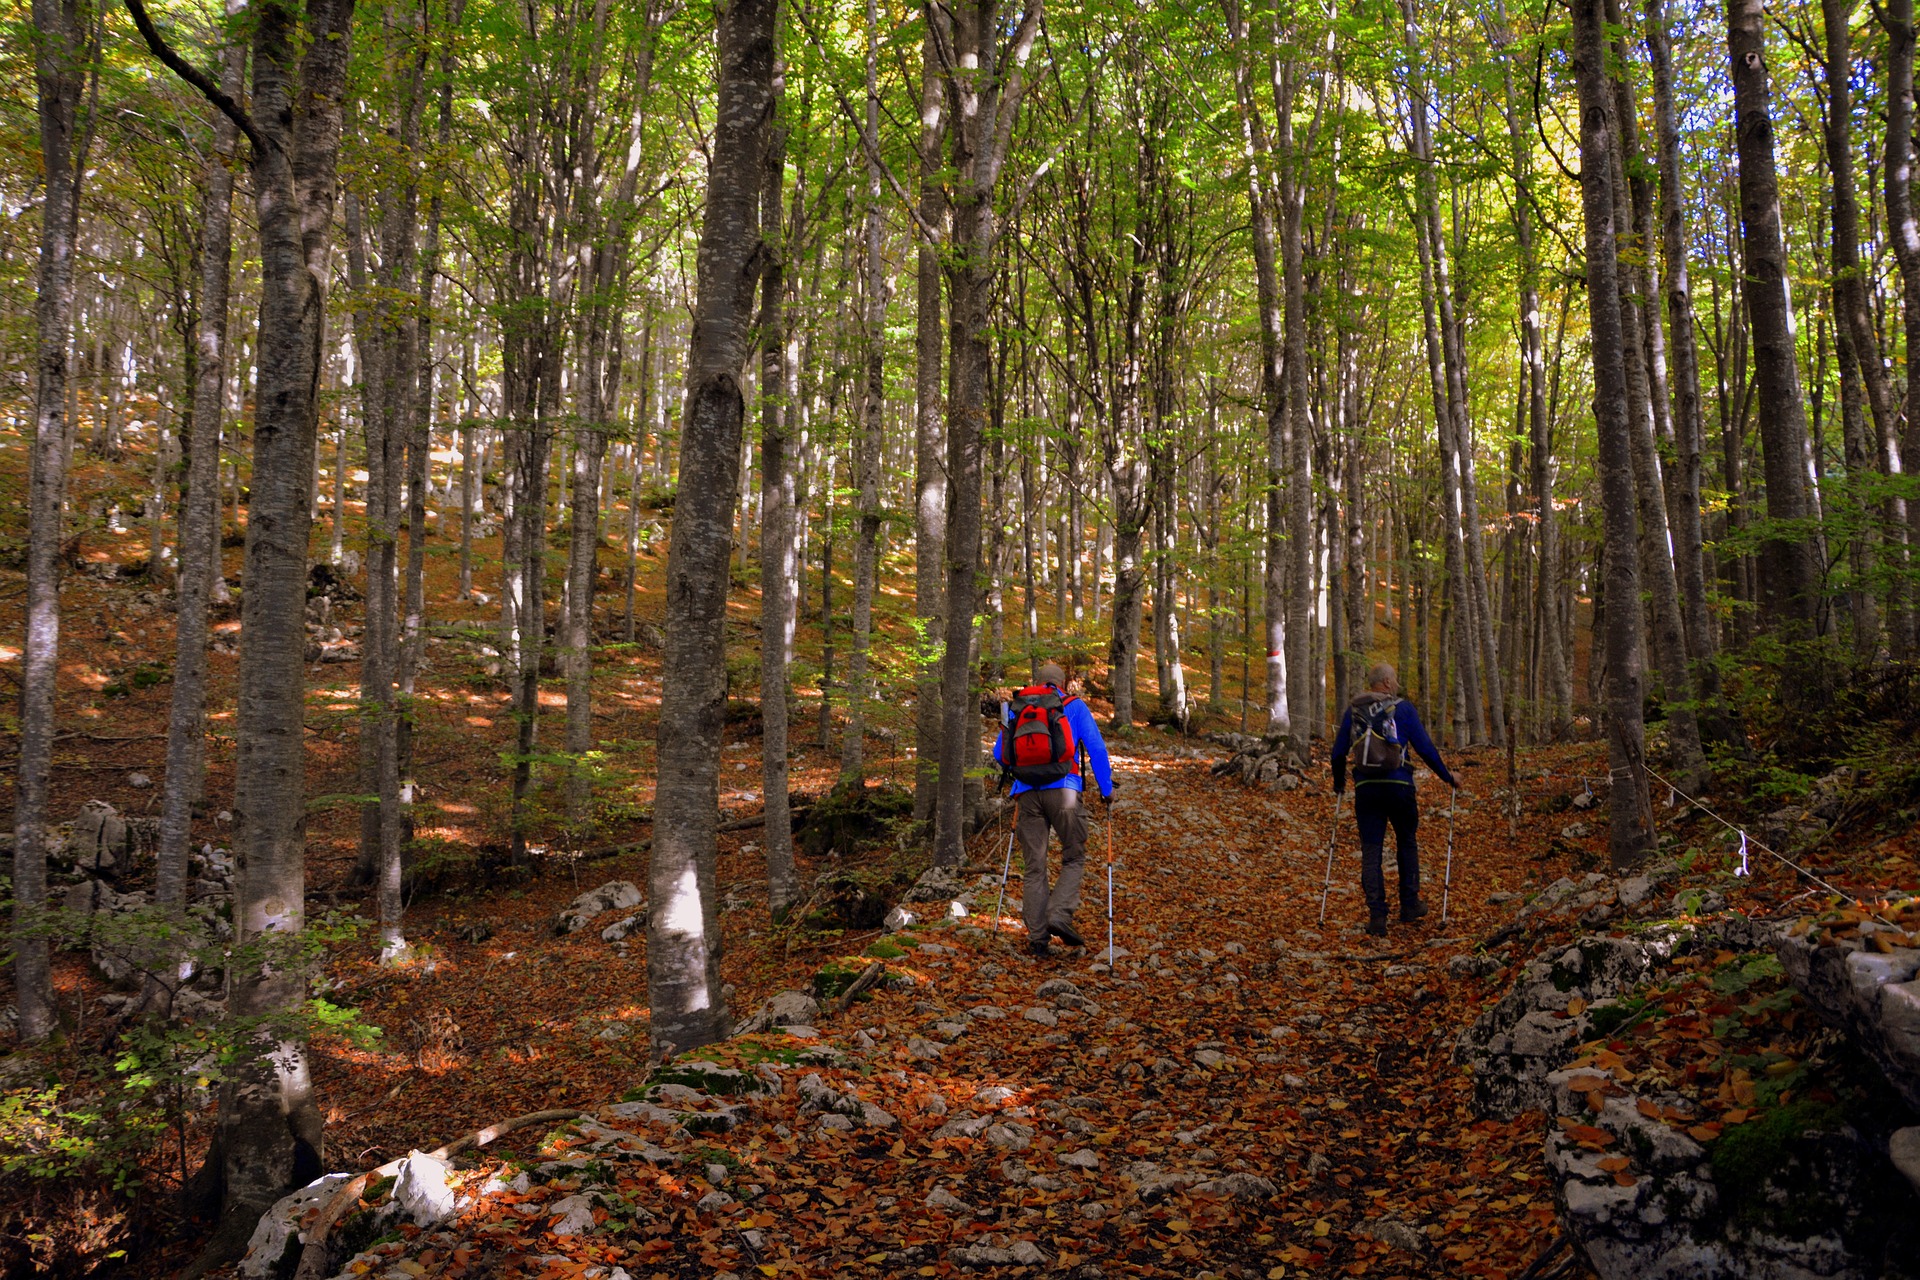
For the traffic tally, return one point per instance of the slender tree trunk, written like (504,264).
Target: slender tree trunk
(868,443)
(1296,439)
(1631,834)
(929,474)
(200,508)
(684,992)
(1787,555)
(778,588)
(1645,387)
(1273,394)
(987,83)
(1904,232)
(1689,426)
(59,67)
(1555,677)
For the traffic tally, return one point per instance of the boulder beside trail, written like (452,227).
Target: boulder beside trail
(277,1240)
(1514,1046)
(614,895)
(1872,995)
(1808,1192)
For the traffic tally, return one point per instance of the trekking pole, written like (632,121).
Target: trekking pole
(1006,868)
(1446,889)
(1110,956)
(1333,832)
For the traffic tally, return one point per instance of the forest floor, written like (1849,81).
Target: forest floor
(1247,1092)
(1238,1035)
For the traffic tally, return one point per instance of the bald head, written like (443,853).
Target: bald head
(1382,678)
(1050,673)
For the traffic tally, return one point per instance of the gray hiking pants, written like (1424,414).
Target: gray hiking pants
(1057,809)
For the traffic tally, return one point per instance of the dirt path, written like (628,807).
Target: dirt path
(1247,1094)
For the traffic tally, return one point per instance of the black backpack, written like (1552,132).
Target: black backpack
(1378,751)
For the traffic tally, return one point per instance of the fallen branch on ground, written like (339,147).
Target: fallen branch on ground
(313,1257)
(868,976)
(641,846)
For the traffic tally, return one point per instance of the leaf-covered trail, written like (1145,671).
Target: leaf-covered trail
(1247,1094)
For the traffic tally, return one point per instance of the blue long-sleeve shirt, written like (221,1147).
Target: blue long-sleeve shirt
(1412,732)
(1087,734)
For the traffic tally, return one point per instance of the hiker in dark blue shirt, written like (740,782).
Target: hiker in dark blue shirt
(1377,730)
(1050,803)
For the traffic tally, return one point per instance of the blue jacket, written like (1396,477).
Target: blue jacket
(1087,734)
(1412,732)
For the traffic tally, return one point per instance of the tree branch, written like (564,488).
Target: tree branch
(870,145)
(193,76)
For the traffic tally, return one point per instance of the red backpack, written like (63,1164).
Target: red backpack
(1037,745)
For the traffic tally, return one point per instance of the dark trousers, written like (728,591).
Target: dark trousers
(1055,810)
(1375,804)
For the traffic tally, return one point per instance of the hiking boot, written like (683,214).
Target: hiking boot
(1409,912)
(1067,934)
(1377,925)
(1039,949)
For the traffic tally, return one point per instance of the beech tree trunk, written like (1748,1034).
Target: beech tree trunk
(868,441)
(1639,319)
(269,1131)
(1788,559)
(684,990)
(1261,199)
(929,439)
(1689,423)
(986,83)
(59,67)
(200,505)
(1631,826)
(1904,233)
(779,409)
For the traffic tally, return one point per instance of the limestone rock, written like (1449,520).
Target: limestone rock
(1904,1150)
(421,1190)
(614,895)
(936,884)
(1873,996)
(782,1009)
(1396,1232)
(280,1229)
(941,1198)
(1515,1045)
(100,842)
(573,1216)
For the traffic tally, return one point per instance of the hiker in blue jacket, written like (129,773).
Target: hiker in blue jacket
(1052,804)
(1377,729)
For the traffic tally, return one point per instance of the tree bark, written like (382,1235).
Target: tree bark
(869,441)
(200,507)
(1631,827)
(1639,318)
(59,65)
(986,83)
(778,587)
(1787,554)
(684,992)
(269,1128)
(1689,425)
(929,439)
(1904,233)
(1261,199)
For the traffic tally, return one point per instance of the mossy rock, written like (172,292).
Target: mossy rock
(709,1078)
(882,949)
(849,819)
(832,981)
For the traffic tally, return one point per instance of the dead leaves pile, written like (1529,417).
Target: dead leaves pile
(1247,1094)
